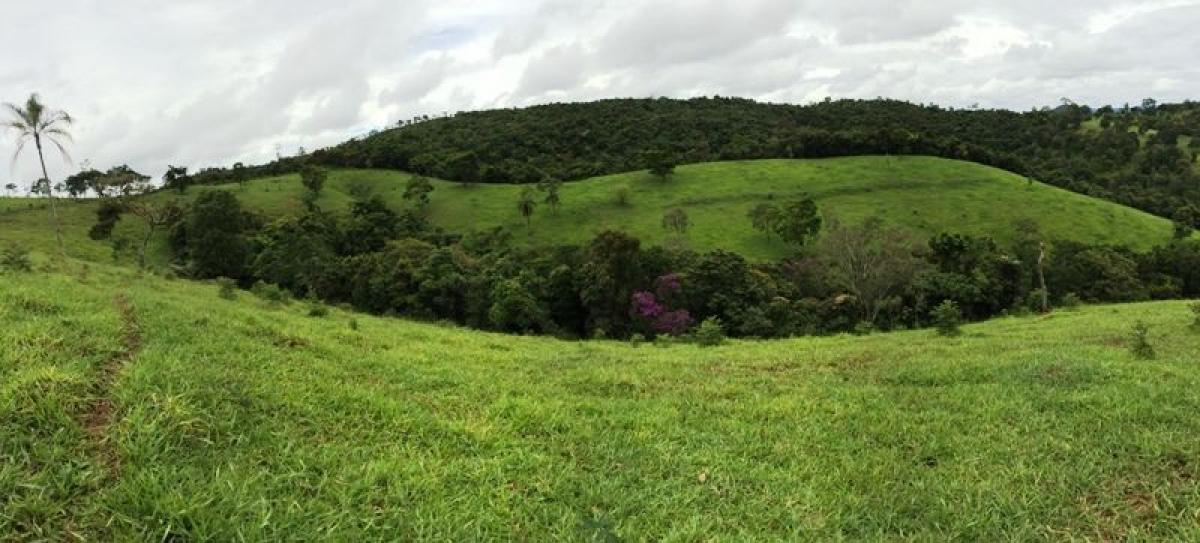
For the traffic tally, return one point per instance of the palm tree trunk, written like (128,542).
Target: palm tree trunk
(62,248)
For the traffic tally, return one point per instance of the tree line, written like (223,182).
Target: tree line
(843,277)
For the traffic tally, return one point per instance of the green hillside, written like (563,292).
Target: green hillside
(926,195)
(135,408)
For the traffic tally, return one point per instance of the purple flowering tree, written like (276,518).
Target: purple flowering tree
(651,307)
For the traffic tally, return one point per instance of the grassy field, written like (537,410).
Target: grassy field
(924,195)
(134,407)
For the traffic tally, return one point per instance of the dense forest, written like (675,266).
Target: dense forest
(1143,156)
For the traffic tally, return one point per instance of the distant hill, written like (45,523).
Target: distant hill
(1143,157)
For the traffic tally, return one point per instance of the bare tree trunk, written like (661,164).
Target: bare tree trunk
(1042,277)
(62,248)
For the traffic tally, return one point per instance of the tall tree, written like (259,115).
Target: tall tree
(157,216)
(870,261)
(33,122)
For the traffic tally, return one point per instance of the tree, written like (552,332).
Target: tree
(676,221)
(661,164)
(82,181)
(611,270)
(121,181)
(35,122)
(313,179)
(10,188)
(417,190)
(156,216)
(798,222)
(239,173)
(1185,220)
(764,218)
(872,262)
(551,187)
(214,240)
(177,178)
(526,204)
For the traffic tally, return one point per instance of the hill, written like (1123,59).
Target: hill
(923,194)
(133,407)
(1144,157)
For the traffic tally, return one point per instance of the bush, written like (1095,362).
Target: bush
(1141,346)
(1070,301)
(636,340)
(947,317)
(354,324)
(317,309)
(15,259)
(226,288)
(271,293)
(1195,307)
(621,196)
(710,332)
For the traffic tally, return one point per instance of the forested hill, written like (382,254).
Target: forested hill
(1143,156)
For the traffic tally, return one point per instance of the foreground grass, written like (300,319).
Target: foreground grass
(922,194)
(238,420)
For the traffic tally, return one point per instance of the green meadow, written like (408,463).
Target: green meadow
(134,407)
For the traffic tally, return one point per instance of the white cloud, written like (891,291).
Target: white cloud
(205,82)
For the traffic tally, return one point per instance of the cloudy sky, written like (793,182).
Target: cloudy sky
(200,83)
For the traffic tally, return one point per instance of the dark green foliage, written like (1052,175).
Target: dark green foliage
(1195,307)
(212,237)
(176,178)
(947,318)
(611,271)
(317,310)
(417,191)
(293,252)
(369,227)
(798,222)
(516,309)
(15,258)
(313,179)
(1140,342)
(226,288)
(765,217)
(710,333)
(660,164)
(108,213)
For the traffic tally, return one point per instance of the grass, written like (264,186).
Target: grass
(240,420)
(925,195)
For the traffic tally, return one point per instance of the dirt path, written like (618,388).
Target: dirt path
(99,417)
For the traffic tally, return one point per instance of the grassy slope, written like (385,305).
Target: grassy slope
(238,420)
(926,195)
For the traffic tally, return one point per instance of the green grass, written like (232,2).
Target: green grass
(925,195)
(236,420)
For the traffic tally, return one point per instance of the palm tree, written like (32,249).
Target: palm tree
(35,122)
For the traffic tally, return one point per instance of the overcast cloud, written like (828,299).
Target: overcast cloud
(202,83)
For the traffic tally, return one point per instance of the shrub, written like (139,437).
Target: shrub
(15,259)
(710,332)
(226,288)
(271,293)
(1195,307)
(354,324)
(317,309)
(1141,346)
(1070,301)
(947,317)
(864,328)
(637,340)
(621,196)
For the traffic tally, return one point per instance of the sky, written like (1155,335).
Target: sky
(204,83)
